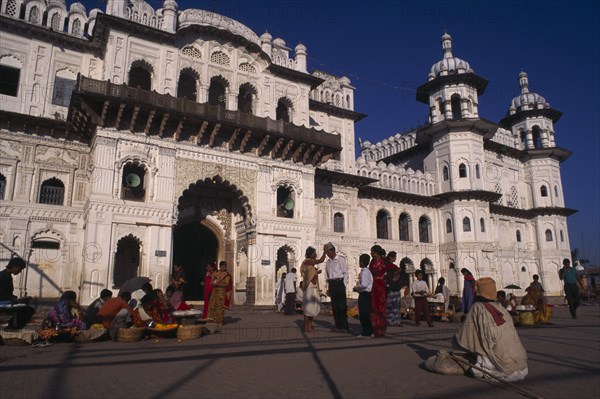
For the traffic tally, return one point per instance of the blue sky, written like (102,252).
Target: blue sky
(387,48)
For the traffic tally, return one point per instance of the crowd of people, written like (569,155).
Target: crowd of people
(145,307)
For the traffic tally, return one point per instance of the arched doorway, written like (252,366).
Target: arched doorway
(127,260)
(194,247)
(214,218)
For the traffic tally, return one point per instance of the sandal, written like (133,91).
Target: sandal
(45,344)
(36,344)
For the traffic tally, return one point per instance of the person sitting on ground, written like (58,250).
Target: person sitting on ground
(116,313)
(136,296)
(22,313)
(489,336)
(144,315)
(92,311)
(66,313)
(163,306)
(177,301)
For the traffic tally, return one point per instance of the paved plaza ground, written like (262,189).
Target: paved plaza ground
(265,355)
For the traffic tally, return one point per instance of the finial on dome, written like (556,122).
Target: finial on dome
(447,45)
(524,82)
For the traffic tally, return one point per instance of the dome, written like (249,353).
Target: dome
(279,42)
(170,5)
(77,8)
(266,36)
(94,12)
(59,3)
(300,48)
(449,65)
(526,100)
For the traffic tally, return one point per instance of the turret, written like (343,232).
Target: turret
(266,43)
(169,21)
(300,52)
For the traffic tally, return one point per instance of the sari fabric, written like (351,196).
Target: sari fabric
(221,281)
(468,296)
(378,297)
(207,291)
(64,315)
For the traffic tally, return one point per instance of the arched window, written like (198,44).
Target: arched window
(140,76)
(544,191)
(246,98)
(219,57)
(466,224)
(518,235)
(549,235)
(424,229)
(216,92)
(448,225)
(446,173)
(34,15)
(462,170)
(133,182)
(338,222)
(76,28)
(537,137)
(523,269)
(562,236)
(456,110)
(2,186)
(186,87)
(283,110)
(55,22)
(405,226)
(482,225)
(441,109)
(64,84)
(52,192)
(382,221)
(477,171)
(285,202)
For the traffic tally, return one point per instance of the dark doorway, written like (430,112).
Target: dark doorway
(194,246)
(127,260)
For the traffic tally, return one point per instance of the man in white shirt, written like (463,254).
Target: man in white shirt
(365,284)
(337,281)
(290,293)
(420,291)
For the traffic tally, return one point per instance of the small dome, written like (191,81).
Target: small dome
(344,80)
(266,36)
(300,48)
(94,12)
(279,42)
(77,8)
(449,65)
(170,5)
(526,100)
(60,3)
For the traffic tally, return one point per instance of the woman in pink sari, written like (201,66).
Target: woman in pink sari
(378,268)
(208,287)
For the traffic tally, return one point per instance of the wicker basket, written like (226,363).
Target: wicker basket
(191,331)
(130,334)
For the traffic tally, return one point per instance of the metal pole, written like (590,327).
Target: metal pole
(27,269)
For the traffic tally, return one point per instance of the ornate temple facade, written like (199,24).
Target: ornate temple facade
(134,139)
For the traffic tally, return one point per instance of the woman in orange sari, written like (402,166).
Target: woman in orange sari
(221,294)
(378,268)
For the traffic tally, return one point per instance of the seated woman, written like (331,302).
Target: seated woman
(163,305)
(176,299)
(64,319)
(488,335)
(147,313)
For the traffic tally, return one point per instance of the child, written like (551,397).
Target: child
(364,286)
(420,292)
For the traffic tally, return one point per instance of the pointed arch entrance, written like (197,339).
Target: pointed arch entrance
(127,260)
(211,214)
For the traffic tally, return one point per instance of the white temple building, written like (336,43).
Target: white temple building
(132,139)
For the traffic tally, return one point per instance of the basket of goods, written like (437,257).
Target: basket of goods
(164,330)
(190,331)
(132,334)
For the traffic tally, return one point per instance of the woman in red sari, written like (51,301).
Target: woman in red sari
(208,287)
(378,268)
